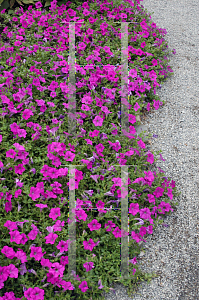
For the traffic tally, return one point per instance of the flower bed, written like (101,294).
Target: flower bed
(52,153)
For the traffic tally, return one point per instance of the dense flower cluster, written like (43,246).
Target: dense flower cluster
(35,137)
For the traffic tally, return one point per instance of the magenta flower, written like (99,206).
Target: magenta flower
(89,245)
(21,255)
(134,208)
(34,193)
(98,121)
(94,225)
(8,206)
(164,207)
(145,213)
(4,273)
(17,193)
(46,262)
(81,215)
(13,271)
(11,153)
(58,269)
(34,293)
(27,113)
(116,232)
(10,225)
(19,169)
(55,213)
(0,138)
(158,192)
(88,266)
(133,261)
(64,260)
(50,239)
(69,156)
(22,133)
(83,286)
(15,236)
(32,234)
(8,252)
(62,246)
(41,206)
(135,236)
(110,224)
(72,184)
(36,252)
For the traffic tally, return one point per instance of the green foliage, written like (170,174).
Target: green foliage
(107,254)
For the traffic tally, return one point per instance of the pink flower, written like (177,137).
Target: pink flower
(145,213)
(0,138)
(27,113)
(135,236)
(83,286)
(62,246)
(110,224)
(19,169)
(46,262)
(53,94)
(88,266)
(36,252)
(54,213)
(164,207)
(37,293)
(34,193)
(94,225)
(17,193)
(136,106)
(22,133)
(4,273)
(89,245)
(69,156)
(158,192)
(21,255)
(15,236)
(134,208)
(51,104)
(11,153)
(13,271)
(38,5)
(8,252)
(98,121)
(94,133)
(10,225)
(24,239)
(81,215)
(132,119)
(116,232)
(50,239)
(32,234)
(41,206)
(64,260)
(58,270)
(72,184)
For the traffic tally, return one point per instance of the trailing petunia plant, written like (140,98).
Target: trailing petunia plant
(44,160)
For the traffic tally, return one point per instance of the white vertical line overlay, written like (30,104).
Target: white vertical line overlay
(72,88)
(124,224)
(72,226)
(124,168)
(124,77)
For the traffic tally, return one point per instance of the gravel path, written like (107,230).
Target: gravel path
(173,252)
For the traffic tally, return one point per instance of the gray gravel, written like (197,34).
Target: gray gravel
(173,252)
